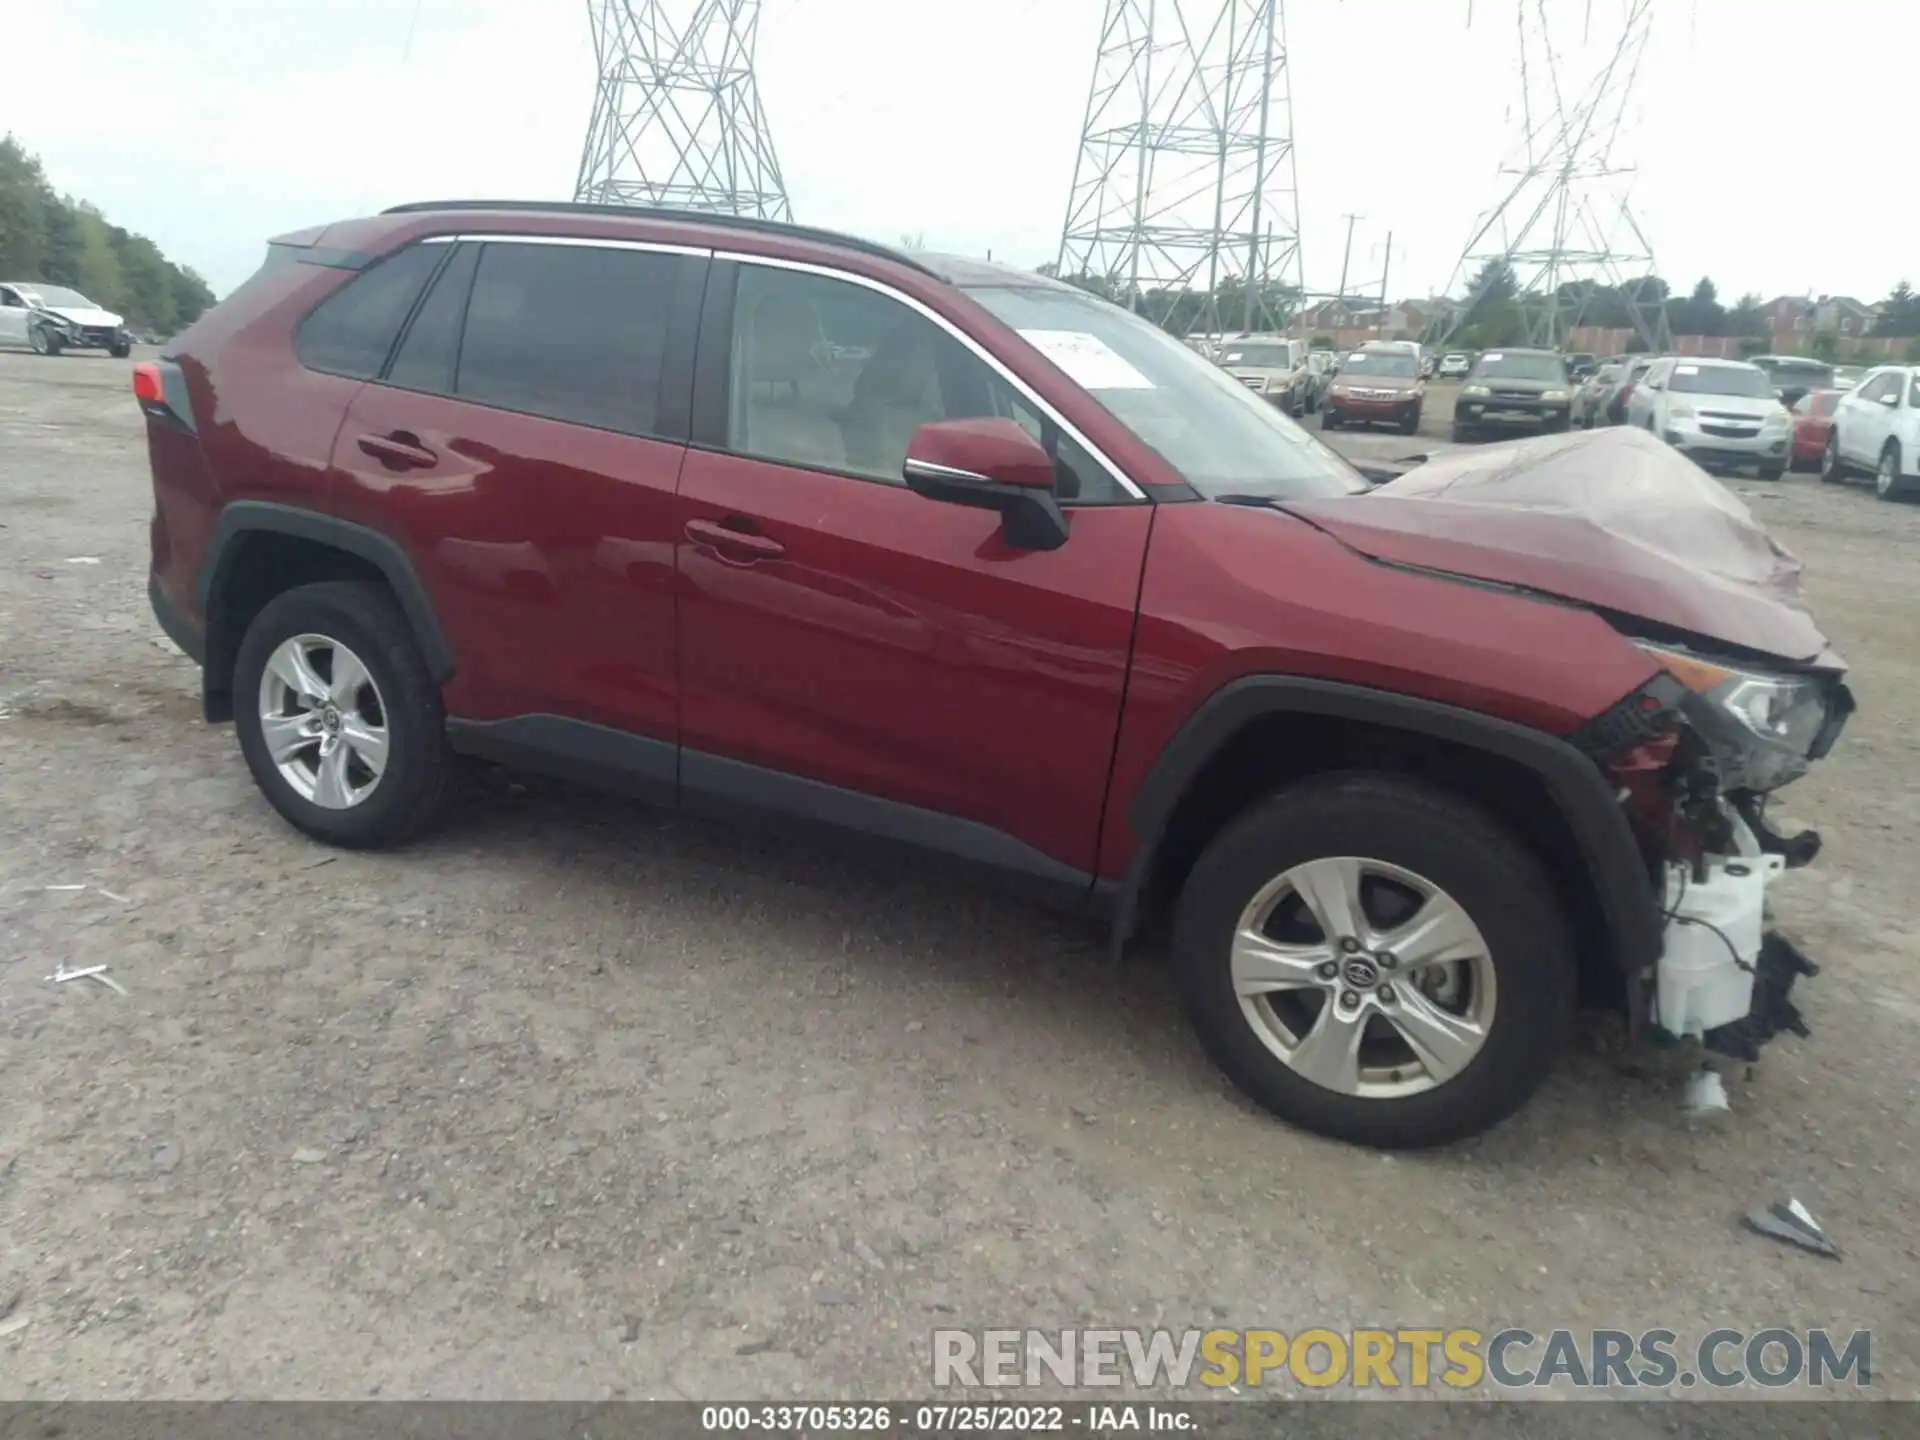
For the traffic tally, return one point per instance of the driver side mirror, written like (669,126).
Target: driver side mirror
(1889,400)
(989,464)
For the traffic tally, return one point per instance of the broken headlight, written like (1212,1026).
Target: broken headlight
(1761,727)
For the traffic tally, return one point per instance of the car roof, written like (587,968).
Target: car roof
(1519,350)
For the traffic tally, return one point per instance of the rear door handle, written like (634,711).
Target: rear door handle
(740,542)
(399,449)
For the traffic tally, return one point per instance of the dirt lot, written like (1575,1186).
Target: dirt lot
(579,1100)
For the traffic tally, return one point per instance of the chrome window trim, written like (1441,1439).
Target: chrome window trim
(582,242)
(992,361)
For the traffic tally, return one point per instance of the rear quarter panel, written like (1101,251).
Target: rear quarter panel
(265,423)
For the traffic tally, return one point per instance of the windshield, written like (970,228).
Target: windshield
(1364,362)
(1503,365)
(58,297)
(1798,372)
(1273,357)
(1218,434)
(1747,380)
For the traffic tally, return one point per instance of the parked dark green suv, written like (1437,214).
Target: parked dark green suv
(1514,390)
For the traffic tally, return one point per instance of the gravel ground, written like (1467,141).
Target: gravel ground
(579,1100)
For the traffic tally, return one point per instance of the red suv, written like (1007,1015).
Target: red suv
(959,557)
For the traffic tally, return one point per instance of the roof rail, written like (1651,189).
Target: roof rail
(749,223)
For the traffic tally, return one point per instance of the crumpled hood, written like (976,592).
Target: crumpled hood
(1612,518)
(80,315)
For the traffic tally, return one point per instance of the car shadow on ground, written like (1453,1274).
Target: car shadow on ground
(906,920)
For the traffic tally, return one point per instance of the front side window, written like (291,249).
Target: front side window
(11,300)
(831,375)
(352,330)
(1221,437)
(1913,393)
(570,332)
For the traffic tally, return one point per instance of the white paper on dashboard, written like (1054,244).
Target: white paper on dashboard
(1087,359)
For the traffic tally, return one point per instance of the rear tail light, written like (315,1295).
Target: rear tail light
(161,389)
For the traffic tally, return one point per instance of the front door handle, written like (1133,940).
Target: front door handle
(399,449)
(725,538)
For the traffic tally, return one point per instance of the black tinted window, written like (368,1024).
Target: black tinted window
(432,348)
(353,328)
(573,332)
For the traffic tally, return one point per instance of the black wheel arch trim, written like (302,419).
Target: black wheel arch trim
(1621,881)
(241,518)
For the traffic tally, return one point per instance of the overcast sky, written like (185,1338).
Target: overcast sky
(1773,141)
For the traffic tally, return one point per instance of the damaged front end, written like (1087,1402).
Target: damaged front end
(1696,755)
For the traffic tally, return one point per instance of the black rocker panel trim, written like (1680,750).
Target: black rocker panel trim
(715,785)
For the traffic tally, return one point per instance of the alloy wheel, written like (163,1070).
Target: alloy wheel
(323,721)
(1885,478)
(1363,977)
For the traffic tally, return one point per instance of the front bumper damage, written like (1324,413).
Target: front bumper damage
(1725,977)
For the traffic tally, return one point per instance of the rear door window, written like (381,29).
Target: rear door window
(430,354)
(352,331)
(572,332)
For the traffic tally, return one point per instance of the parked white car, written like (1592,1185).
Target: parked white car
(1721,413)
(50,318)
(1876,430)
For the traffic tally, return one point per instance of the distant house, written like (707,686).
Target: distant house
(1793,320)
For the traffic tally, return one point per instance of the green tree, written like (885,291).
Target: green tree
(1748,318)
(1826,345)
(1701,313)
(1899,312)
(65,241)
(1320,342)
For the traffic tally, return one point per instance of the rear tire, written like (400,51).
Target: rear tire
(417,773)
(1514,978)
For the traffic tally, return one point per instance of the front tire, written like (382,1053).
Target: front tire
(120,352)
(1772,472)
(1833,469)
(1463,433)
(339,720)
(1888,483)
(1411,425)
(1376,960)
(1330,420)
(44,341)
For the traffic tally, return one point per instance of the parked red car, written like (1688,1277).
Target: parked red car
(1812,424)
(753,517)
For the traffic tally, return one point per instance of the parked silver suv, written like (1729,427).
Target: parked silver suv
(1721,413)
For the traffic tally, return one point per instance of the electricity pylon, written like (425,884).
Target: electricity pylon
(1562,225)
(677,119)
(1185,180)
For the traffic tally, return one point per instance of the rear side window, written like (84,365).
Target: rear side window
(430,354)
(571,332)
(352,330)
